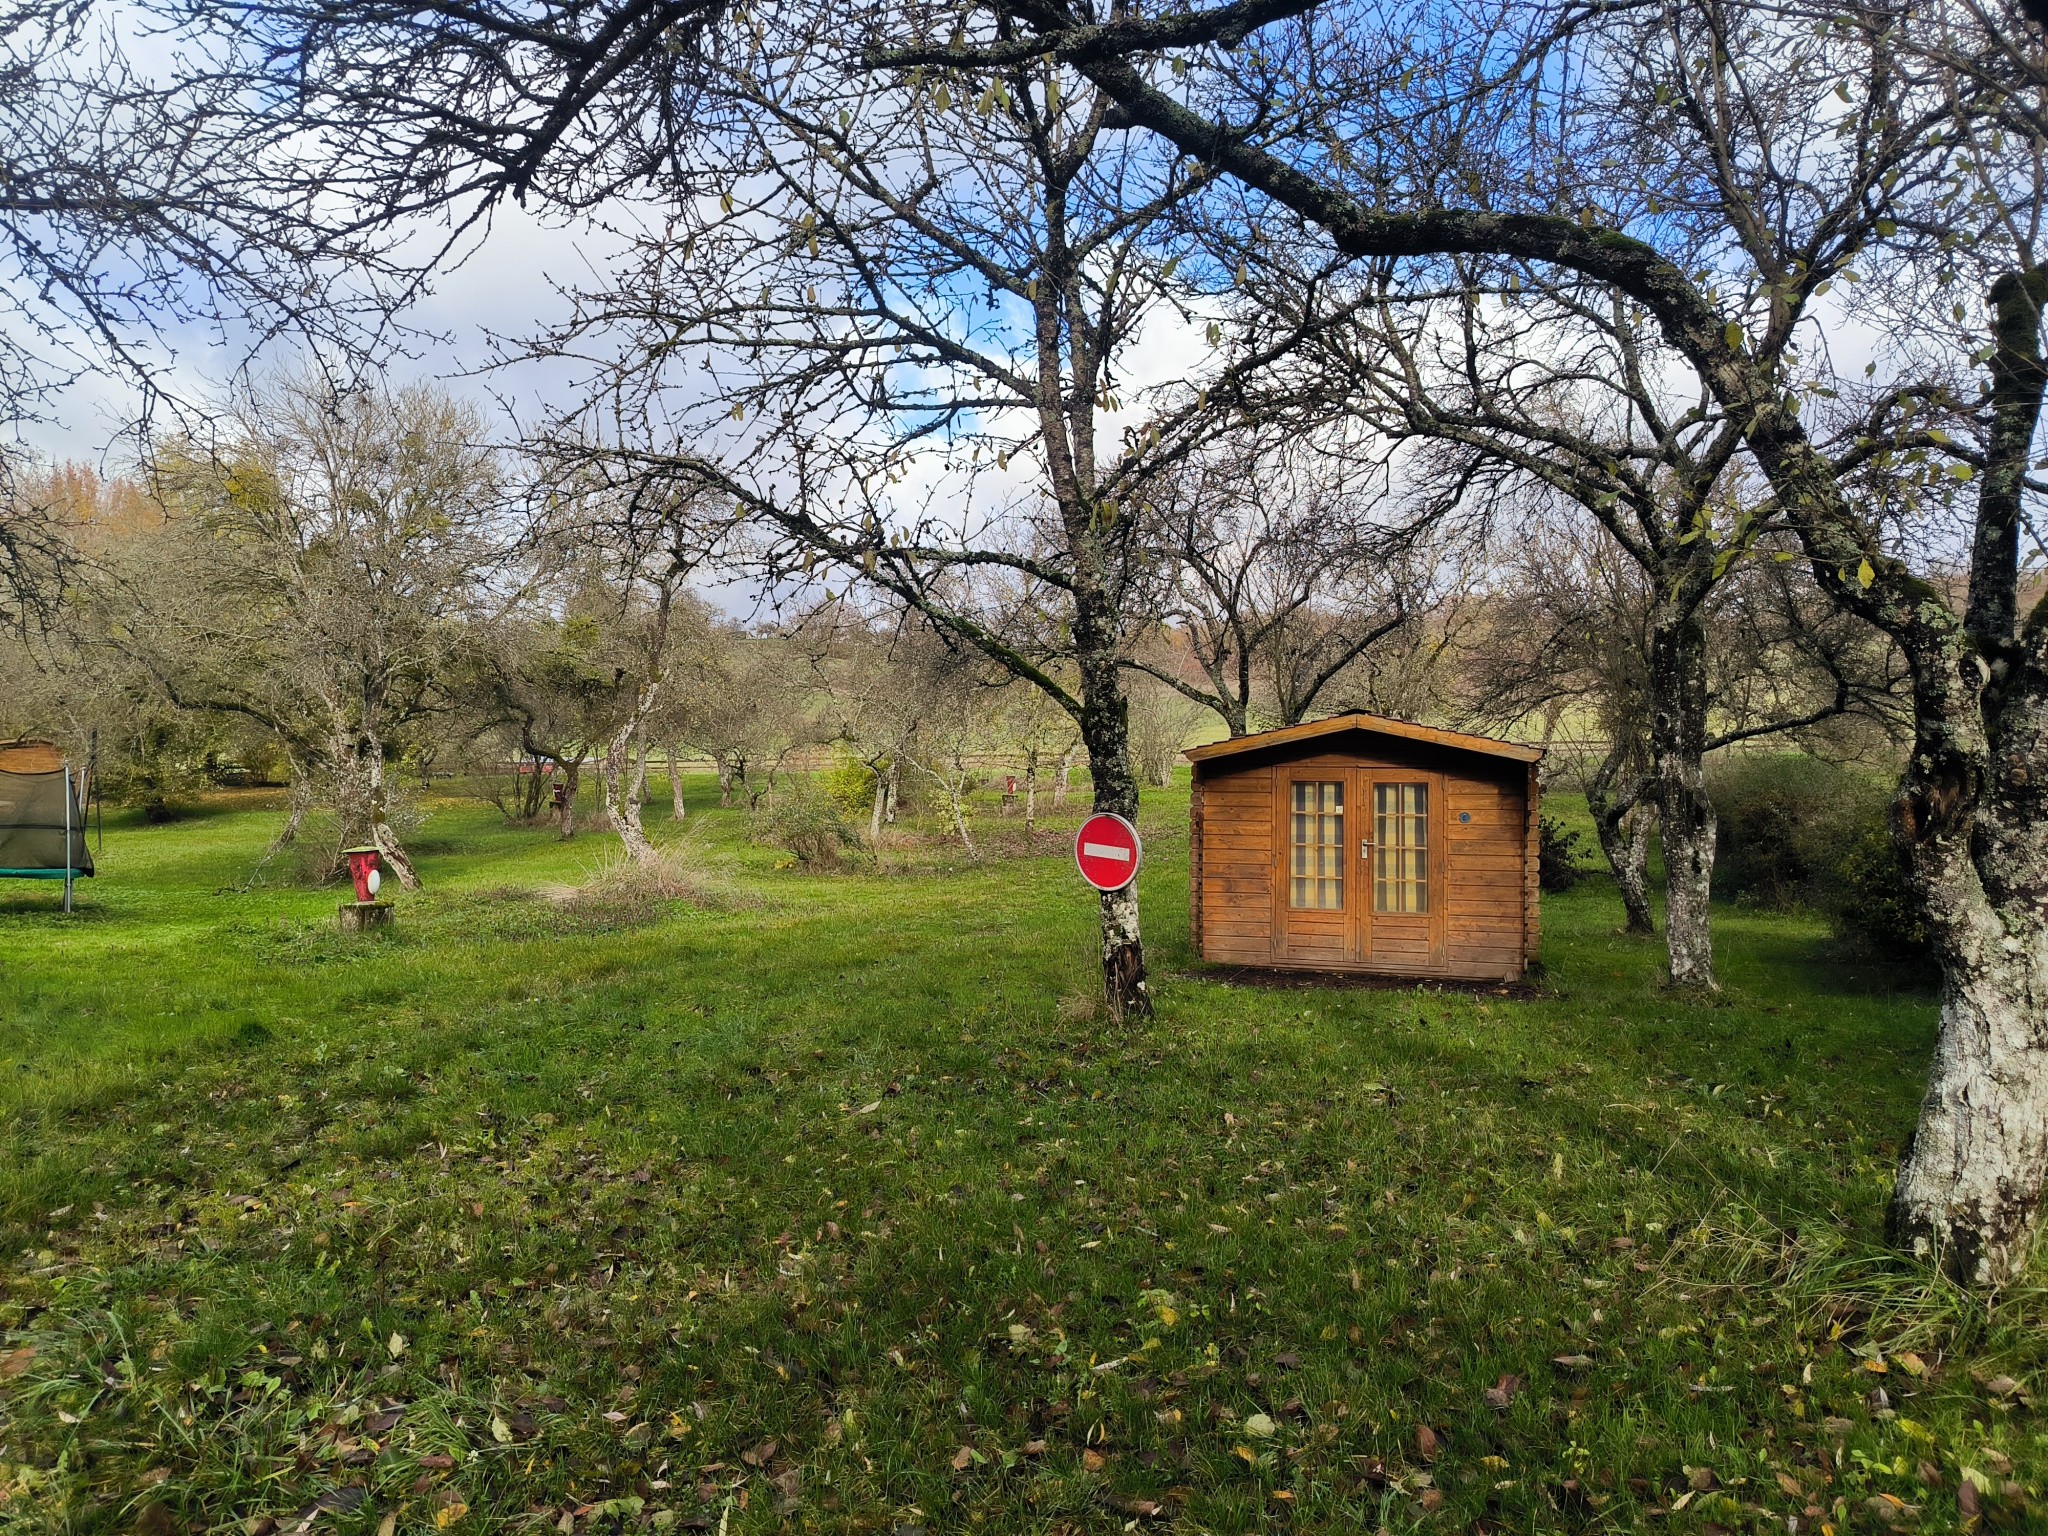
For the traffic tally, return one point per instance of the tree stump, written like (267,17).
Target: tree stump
(364,916)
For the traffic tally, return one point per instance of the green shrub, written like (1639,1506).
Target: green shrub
(804,821)
(1869,902)
(1784,822)
(849,784)
(1557,857)
(1798,832)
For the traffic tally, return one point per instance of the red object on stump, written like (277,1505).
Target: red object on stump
(363,863)
(1108,851)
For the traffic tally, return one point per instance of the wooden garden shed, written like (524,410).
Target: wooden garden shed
(1362,843)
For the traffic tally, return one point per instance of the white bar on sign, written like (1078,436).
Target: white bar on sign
(1107,851)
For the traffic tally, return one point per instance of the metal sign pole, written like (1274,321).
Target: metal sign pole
(67,834)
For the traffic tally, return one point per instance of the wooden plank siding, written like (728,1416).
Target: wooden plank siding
(1236,894)
(1483,914)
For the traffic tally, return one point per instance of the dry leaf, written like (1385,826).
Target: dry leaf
(1093,1461)
(963,1458)
(760,1455)
(1425,1442)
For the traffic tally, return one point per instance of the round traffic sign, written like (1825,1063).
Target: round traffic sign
(1108,851)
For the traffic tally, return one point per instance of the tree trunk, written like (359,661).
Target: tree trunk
(572,780)
(1622,819)
(1106,733)
(623,797)
(621,806)
(359,796)
(1678,744)
(1626,842)
(675,787)
(889,809)
(298,801)
(1972,818)
(1030,789)
(881,805)
(1064,784)
(960,819)
(392,851)
(1969,1189)
(724,763)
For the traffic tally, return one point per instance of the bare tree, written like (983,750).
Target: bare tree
(645,547)
(1767,196)
(904,287)
(1281,573)
(329,554)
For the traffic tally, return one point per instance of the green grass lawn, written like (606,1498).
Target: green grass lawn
(829,1202)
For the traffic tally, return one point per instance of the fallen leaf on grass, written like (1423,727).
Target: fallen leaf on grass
(963,1458)
(1425,1442)
(1141,1509)
(1261,1427)
(1790,1486)
(335,1501)
(1502,1392)
(383,1421)
(15,1361)
(155,1520)
(1572,1362)
(448,1514)
(1034,1447)
(437,1462)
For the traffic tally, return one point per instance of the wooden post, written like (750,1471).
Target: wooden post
(363,916)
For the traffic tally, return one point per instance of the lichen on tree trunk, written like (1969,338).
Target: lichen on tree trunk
(1678,744)
(1105,732)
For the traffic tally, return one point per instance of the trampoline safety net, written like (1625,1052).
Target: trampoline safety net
(32,822)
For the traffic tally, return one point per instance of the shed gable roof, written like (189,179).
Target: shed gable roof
(1378,725)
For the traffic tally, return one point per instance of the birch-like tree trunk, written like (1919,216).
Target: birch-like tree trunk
(1625,840)
(1622,820)
(675,787)
(1678,744)
(622,798)
(881,806)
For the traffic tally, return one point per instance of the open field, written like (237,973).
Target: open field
(826,1202)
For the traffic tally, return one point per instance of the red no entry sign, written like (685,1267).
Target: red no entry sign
(1108,851)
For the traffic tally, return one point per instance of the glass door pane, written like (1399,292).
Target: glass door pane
(1317,851)
(1400,848)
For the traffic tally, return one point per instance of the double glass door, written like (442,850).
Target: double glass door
(1360,879)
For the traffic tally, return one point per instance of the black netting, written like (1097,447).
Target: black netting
(32,807)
